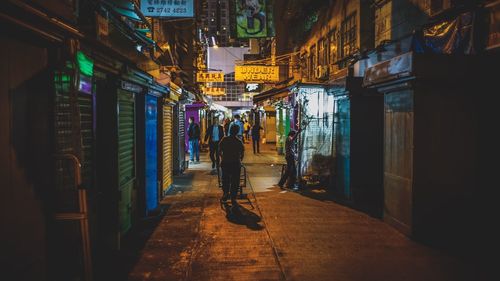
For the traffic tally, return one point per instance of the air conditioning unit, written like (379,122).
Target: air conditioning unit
(321,72)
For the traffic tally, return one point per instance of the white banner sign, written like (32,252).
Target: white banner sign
(167,8)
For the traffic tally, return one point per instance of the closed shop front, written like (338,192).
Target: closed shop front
(270,126)
(358,148)
(74,153)
(430,119)
(167,147)
(126,157)
(151,155)
(179,137)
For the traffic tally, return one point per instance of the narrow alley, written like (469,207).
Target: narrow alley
(279,235)
(375,121)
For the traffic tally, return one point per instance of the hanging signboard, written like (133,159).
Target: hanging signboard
(400,66)
(214,91)
(251,19)
(256,73)
(102,26)
(494,32)
(210,77)
(167,8)
(253,87)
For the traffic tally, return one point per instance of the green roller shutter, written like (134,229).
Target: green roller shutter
(126,156)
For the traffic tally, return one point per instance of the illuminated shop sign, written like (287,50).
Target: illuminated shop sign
(253,87)
(214,91)
(210,77)
(85,84)
(254,18)
(256,73)
(167,8)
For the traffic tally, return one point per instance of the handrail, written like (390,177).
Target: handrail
(81,216)
(77,166)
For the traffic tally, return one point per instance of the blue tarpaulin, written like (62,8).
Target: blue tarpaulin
(452,36)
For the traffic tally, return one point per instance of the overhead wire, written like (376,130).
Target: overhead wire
(280,57)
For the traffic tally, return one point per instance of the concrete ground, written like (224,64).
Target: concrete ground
(278,235)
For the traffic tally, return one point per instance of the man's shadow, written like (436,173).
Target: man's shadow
(240,215)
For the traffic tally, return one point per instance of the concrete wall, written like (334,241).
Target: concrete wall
(24,158)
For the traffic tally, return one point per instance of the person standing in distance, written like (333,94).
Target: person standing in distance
(214,134)
(231,151)
(237,121)
(256,137)
(290,174)
(194,140)
(227,121)
(247,130)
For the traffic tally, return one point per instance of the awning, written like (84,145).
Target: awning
(187,96)
(272,93)
(125,8)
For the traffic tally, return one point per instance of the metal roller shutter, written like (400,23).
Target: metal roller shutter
(182,140)
(167,147)
(74,137)
(151,149)
(72,124)
(87,131)
(179,140)
(126,156)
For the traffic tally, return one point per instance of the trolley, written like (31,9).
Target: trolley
(243,181)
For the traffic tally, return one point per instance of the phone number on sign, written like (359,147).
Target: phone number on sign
(161,10)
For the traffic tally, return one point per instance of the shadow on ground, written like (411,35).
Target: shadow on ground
(238,214)
(123,261)
(327,195)
(183,183)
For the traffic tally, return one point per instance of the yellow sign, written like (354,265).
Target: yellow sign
(210,77)
(214,91)
(256,73)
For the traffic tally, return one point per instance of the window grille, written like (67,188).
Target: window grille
(348,36)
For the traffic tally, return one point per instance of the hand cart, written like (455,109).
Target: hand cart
(243,180)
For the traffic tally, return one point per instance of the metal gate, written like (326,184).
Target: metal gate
(151,142)
(167,147)
(179,143)
(344,146)
(74,135)
(126,157)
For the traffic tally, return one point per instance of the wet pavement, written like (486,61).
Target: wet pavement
(278,235)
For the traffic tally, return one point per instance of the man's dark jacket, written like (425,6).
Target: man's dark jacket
(210,131)
(194,131)
(232,150)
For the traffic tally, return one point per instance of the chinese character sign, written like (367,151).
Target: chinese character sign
(167,8)
(251,18)
(214,91)
(210,77)
(256,73)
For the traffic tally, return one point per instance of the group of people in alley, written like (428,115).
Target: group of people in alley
(226,150)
